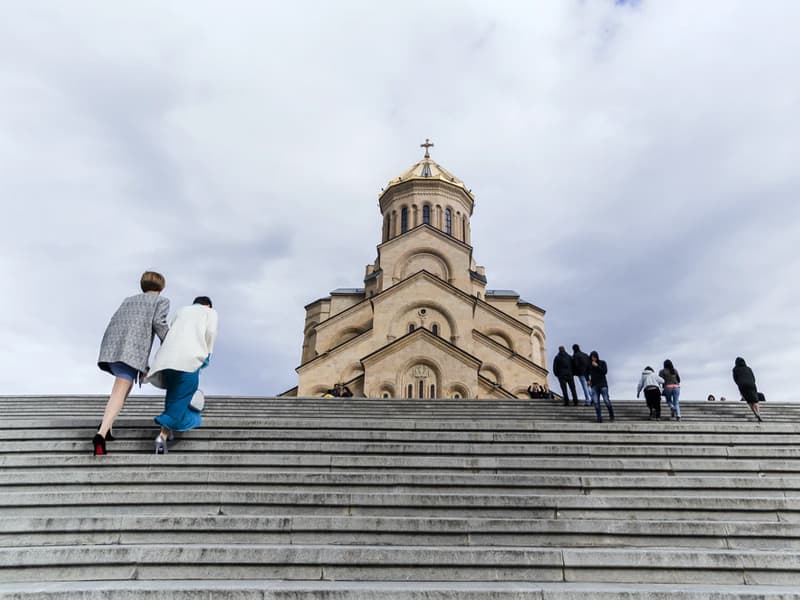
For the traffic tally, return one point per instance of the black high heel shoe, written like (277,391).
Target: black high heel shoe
(109,436)
(99,445)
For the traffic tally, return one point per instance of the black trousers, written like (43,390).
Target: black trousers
(653,397)
(564,383)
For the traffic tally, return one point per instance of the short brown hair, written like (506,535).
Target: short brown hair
(152,281)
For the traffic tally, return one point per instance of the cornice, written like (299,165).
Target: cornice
(439,282)
(410,338)
(333,350)
(431,228)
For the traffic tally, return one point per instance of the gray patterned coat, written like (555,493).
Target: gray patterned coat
(129,335)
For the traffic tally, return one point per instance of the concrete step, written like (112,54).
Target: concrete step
(445,464)
(177,477)
(140,440)
(226,501)
(353,408)
(373,491)
(370,563)
(388,590)
(396,531)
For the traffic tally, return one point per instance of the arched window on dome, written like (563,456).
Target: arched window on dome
(386,230)
(411,328)
(435,329)
(426,214)
(404,219)
(464,228)
(448,221)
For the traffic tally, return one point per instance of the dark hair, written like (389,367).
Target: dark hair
(648,368)
(204,300)
(669,366)
(594,353)
(562,349)
(576,348)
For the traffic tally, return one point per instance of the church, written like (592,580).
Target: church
(424,324)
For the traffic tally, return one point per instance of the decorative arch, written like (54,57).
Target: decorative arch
(387,387)
(402,264)
(420,385)
(458,388)
(505,339)
(521,392)
(310,341)
(537,341)
(423,303)
(492,373)
(352,371)
(348,333)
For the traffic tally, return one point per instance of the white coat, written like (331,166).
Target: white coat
(190,340)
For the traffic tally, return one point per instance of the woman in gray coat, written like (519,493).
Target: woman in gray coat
(126,345)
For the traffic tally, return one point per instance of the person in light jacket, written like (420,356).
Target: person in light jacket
(651,384)
(176,367)
(126,346)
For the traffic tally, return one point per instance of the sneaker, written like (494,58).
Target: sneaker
(160,445)
(677,418)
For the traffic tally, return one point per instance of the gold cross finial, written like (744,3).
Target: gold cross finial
(427,145)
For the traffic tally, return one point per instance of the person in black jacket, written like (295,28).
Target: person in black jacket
(562,369)
(580,369)
(599,383)
(746,382)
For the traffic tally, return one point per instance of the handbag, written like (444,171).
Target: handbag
(198,401)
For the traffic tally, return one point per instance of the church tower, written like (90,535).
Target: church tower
(424,325)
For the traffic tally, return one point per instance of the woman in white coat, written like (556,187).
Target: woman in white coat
(176,368)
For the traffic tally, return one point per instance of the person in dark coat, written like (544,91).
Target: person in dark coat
(599,384)
(746,382)
(562,369)
(580,369)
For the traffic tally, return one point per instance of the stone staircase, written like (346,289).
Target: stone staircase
(400,499)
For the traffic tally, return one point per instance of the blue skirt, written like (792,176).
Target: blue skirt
(177,415)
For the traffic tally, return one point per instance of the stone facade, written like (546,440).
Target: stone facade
(424,325)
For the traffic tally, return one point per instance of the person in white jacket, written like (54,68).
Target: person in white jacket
(651,384)
(176,368)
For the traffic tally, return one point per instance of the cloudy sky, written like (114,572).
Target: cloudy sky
(635,166)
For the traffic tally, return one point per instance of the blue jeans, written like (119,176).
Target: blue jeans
(672,395)
(587,395)
(597,392)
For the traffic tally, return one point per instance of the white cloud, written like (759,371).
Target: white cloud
(634,168)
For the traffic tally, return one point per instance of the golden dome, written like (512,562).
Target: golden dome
(427,169)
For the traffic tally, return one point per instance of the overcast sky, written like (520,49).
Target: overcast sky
(635,167)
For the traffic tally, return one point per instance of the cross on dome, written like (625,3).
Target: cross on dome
(427,145)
